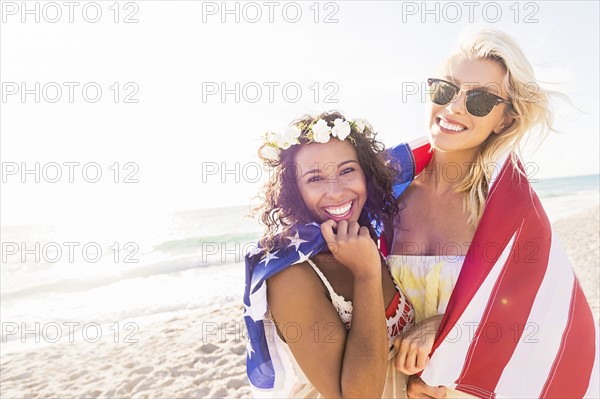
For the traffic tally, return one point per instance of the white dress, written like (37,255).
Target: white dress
(428,282)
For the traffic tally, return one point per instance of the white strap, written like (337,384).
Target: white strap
(332,293)
(342,306)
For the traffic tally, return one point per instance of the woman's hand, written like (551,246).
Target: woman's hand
(340,363)
(353,247)
(414,345)
(417,388)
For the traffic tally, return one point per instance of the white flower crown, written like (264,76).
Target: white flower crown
(318,132)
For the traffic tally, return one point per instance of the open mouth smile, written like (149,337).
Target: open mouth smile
(449,127)
(341,211)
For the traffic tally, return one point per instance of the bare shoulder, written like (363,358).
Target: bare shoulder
(301,274)
(298,284)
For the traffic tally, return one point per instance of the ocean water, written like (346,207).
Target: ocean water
(103,273)
(566,196)
(149,267)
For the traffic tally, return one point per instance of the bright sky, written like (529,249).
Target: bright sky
(180,138)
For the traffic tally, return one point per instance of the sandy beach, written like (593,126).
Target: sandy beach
(579,235)
(201,354)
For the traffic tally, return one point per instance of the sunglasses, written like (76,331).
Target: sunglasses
(479,102)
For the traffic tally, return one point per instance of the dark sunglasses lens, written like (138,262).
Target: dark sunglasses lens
(480,103)
(442,93)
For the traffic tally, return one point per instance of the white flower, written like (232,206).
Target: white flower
(292,132)
(270,152)
(288,137)
(321,131)
(269,137)
(341,129)
(283,142)
(360,125)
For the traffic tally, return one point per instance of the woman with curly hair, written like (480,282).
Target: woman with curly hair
(322,309)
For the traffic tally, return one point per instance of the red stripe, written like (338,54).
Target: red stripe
(508,210)
(501,218)
(572,368)
(512,207)
(383,246)
(422,155)
(505,317)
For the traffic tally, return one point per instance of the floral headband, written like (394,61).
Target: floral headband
(318,132)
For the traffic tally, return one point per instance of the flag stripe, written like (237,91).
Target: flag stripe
(446,363)
(422,155)
(529,291)
(500,220)
(594,388)
(565,380)
(528,369)
(510,303)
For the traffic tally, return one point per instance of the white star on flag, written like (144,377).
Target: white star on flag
(296,241)
(253,251)
(303,258)
(270,256)
(249,349)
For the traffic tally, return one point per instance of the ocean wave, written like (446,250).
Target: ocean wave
(198,243)
(73,285)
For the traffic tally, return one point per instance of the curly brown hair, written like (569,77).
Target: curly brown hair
(282,205)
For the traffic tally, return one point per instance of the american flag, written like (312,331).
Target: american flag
(517,324)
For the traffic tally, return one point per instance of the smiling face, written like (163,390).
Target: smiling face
(331,181)
(452,128)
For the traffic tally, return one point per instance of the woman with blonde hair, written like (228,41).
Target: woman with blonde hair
(499,310)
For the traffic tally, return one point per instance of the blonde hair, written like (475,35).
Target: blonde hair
(530,110)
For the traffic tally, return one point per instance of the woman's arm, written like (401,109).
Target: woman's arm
(339,363)
(414,345)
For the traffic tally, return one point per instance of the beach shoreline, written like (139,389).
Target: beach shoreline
(201,353)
